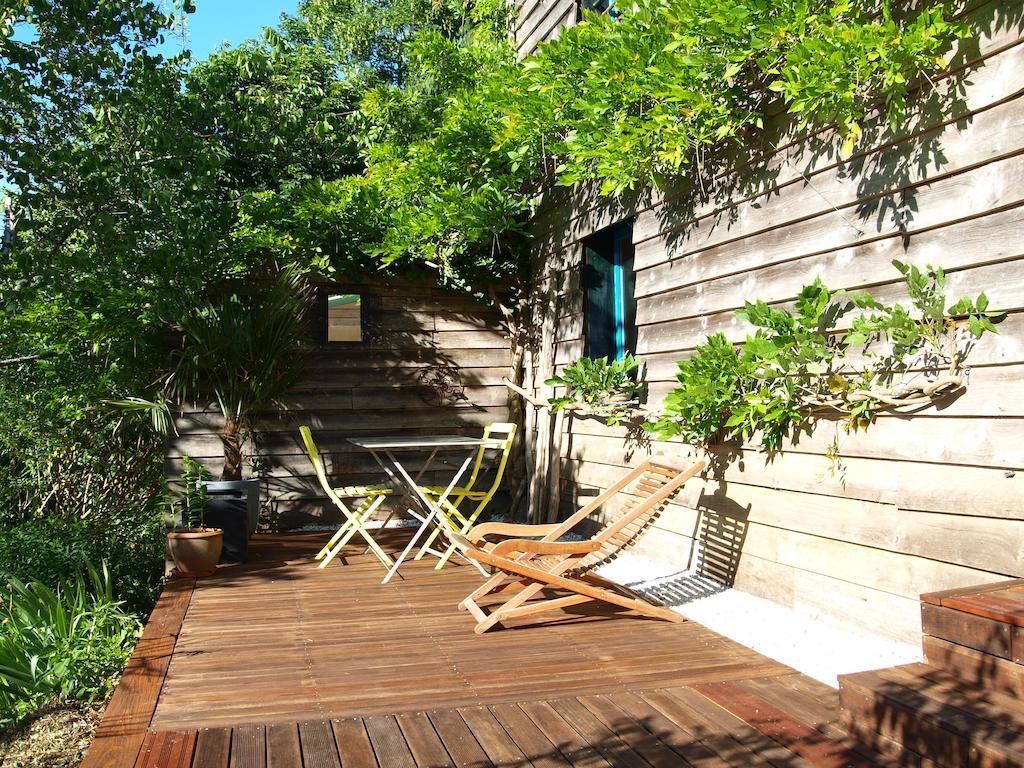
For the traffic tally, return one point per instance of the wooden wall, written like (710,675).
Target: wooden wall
(431,362)
(916,504)
(540,20)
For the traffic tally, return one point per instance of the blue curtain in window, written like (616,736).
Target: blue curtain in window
(610,310)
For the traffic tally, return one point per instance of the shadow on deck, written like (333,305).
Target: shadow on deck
(276,663)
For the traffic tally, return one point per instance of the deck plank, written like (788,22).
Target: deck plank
(353,743)
(814,746)
(354,674)
(167,749)
(754,747)
(640,740)
(686,746)
(615,750)
(318,747)
(295,614)
(424,743)
(249,747)
(213,748)
(462,746)
(528,737)
(492,737)
(389,744)
(284,749)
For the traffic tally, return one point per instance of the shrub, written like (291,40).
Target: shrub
(70,643)
(54,551)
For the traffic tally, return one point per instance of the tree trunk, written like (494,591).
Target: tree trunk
(231,437)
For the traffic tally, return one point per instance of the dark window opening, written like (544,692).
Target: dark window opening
(603,6)
(610,302)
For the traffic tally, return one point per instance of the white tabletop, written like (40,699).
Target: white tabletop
(418,441)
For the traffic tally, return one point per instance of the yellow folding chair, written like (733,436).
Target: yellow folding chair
(355,520)
(498,436)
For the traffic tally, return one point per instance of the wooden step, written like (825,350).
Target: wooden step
(975,667)
(934,714)
(987,618)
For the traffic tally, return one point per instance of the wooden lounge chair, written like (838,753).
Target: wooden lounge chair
(545,562)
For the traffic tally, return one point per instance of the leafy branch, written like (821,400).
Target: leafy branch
(599,387)
(798,365)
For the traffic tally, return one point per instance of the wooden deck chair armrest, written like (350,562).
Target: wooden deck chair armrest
(534,547)
(478,532)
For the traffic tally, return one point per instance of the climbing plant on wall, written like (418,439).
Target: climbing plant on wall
(617,105)
(835,353)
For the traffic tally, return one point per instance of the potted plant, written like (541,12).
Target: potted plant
(599,387)
(194,548)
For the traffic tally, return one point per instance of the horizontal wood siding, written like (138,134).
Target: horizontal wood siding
(540,20)
(431,362)
(913,504)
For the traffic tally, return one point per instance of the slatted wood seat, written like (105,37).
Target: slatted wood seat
(536,558)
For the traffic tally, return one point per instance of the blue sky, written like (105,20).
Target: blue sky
(231,21)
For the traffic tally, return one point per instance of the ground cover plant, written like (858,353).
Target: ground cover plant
(69,643)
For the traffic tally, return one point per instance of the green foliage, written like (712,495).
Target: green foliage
(617,105)
(71,642)
(597,385)
(241,350)
(53,550)
(192,500)
(799,365)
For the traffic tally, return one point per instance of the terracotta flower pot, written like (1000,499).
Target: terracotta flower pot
(195,551)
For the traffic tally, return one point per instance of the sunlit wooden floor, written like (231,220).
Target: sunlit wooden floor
(279,663)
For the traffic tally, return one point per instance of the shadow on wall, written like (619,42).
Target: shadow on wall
(720,533)
(427,363)
(717,540)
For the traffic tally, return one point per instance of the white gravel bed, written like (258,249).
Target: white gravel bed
(805,642)
(315,527)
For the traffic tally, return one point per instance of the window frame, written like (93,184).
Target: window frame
(325,316)
(613,244)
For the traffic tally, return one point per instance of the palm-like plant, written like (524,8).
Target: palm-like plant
(243,351)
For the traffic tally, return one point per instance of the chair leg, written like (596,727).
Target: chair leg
(542,606)
(513,602)
(384,524)
(333,540)
(468,523)
(345,527)
(358,526)
(450,513)
(491,585)
(348,530)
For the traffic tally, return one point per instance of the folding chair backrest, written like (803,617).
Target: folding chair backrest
(496,430)
(318,464)
(651,486)
(502,433)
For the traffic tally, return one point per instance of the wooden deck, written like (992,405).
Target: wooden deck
(276,663)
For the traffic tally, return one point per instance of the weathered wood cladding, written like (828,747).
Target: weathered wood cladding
(431,361)
(541,20)
(913,504)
